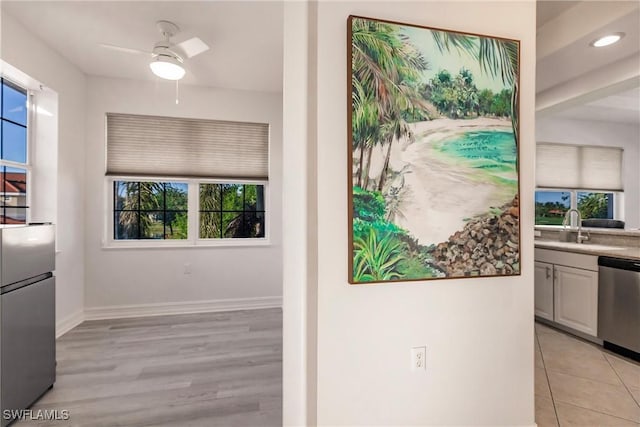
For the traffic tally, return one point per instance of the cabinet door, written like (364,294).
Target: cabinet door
(576,299)
(543,290)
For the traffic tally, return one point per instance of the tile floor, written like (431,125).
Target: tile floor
(577,383)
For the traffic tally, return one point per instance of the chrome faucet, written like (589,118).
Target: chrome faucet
(566,220)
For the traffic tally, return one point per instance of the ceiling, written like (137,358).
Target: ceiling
(246,42)
(577,59)
(245,37)
(580,57)
(547,10)
(623,107)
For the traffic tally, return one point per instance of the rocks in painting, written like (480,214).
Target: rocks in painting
(488,270)
(486,246)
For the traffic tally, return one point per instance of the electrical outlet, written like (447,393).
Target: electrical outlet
(187,268)
(418,358)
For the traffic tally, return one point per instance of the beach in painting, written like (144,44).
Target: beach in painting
(466,166)
(434,173)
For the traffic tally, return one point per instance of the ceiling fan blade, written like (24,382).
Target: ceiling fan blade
(192,47)
(123,49)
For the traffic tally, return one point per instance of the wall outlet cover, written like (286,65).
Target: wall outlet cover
(418,359)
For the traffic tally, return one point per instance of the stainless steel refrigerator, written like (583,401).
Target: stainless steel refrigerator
(27,316)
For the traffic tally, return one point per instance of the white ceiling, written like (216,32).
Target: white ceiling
(580,57)
(246,43)
(622,107)
(577,58)
(245,37)
(547,10)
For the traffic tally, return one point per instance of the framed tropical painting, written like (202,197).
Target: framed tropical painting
(433,153)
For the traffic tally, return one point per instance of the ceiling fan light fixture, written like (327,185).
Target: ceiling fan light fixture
(167,67)
(607,40)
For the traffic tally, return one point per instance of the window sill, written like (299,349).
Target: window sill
(621,231)
(199,244)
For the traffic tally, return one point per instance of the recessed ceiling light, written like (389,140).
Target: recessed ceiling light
(607,40)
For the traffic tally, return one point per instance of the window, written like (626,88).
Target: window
(150,210)
(205,181)
(231,211)
(154,210)
(595,205)
(551,206)
(14,167)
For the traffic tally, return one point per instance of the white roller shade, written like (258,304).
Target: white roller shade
(179,147)
(580,167)
(557,166)
(602,168)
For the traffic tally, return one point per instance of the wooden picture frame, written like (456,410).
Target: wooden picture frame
(433,153)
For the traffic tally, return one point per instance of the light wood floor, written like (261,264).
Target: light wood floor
(214,369)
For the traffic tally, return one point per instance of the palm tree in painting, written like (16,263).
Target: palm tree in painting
(394,128)
(365,119)
(385,69)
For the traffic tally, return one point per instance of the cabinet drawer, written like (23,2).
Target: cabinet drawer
(569,259)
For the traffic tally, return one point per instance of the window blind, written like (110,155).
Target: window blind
(179,147)
(578,166)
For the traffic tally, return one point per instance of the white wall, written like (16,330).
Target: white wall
(34,58)
(478,332)
(626,136)
(125,277)
(299,207)
(44,156)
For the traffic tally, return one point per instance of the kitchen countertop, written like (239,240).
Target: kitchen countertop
(590,249)
(594,230)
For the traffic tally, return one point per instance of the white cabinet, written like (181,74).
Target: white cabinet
(544,290)
(575,298)
(566,289)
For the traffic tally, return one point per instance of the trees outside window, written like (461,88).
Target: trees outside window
(552,205)
(161,210)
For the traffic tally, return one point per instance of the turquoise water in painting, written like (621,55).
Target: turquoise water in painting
(491,146)
(491,150)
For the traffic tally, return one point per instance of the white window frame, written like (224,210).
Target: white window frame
(27,166)
(618,200)
(193,216)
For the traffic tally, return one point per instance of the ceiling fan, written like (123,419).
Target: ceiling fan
(167,57)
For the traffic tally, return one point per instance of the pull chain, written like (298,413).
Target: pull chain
(177,101)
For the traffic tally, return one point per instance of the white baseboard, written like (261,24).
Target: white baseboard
(186,307)
(71,321)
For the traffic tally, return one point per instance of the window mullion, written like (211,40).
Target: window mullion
(114,200)
(574,205)
(193,210)
(164,210)
(139,212)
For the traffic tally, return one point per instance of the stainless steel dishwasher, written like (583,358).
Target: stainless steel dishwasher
(619,305)
(27,317)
